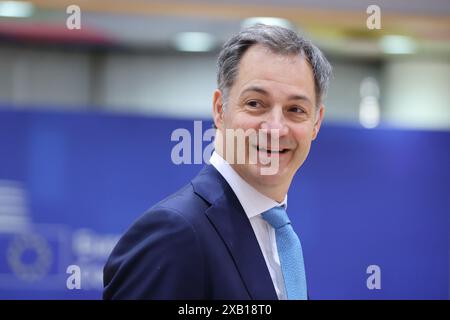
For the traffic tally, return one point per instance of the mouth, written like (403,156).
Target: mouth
(270,151)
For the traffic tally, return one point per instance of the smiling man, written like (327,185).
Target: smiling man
(227,235)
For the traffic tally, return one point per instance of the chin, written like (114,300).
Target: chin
(279,177)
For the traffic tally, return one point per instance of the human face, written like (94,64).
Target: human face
(271,92)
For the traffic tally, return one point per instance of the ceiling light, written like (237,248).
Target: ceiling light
(369,107)
(16,9)
(272,21)
(397,45)
(194,42)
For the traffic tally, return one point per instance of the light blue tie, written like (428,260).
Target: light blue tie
(290,253)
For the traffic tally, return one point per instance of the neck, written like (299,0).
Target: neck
(276,192)
(277,196)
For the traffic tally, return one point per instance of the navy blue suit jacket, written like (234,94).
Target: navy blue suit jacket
(196,244)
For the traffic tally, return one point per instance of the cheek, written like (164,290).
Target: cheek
(244,122)
(303,134)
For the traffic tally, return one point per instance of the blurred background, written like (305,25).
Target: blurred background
(87,112)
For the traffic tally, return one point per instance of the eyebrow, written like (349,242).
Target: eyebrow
(265,92)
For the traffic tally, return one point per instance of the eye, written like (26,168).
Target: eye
(297,109)
(254,104)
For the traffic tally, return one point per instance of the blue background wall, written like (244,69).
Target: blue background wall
(363,197)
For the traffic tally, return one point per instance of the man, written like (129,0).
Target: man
(226,235)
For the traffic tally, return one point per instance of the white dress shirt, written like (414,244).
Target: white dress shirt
(255,203)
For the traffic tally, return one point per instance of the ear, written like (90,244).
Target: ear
(218,108)
(319,117)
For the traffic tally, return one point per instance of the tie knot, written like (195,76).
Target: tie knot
(276,217)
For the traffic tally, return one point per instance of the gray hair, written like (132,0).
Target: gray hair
(280,41)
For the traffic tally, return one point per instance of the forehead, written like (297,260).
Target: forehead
(261,65)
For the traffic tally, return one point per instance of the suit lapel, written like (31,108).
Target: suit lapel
(233,226)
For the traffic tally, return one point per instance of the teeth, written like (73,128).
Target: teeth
(271,151)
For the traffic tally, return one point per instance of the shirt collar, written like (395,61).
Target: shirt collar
(253,201)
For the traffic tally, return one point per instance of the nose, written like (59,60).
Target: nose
(275,120)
